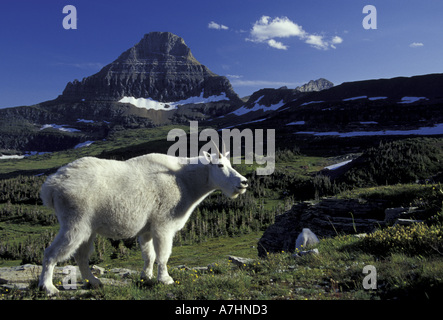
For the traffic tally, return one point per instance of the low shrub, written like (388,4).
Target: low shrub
(415,239)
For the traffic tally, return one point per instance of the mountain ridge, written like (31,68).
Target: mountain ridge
(399,106)
(427,85)
(159,82)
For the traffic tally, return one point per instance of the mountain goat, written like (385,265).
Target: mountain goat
(305,238)
(150,196)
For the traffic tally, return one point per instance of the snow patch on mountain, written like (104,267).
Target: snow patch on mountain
(257,106)
(85,121)
(148,103)
(377,98)
(311,102)
(338,165)
(412,99)
(296,123)
(355,98)
(84,144)
(435,130)
(13,156)
(61,127)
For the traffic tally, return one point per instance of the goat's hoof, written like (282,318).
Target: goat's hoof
(167,280)
(51,290)
(146,276)
(94,283)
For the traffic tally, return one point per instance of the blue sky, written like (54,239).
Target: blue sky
(255,43)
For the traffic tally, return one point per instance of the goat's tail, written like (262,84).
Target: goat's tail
(47,195)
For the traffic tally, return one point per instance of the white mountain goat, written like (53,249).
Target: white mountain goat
(150,196)
(305,238)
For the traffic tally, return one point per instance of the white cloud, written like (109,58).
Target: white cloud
(277,44)
(320,43)
(336,40)
(82,65)
(416,45)
(263,83)
(234,76)
(214,25)
(266,30)
(317,42)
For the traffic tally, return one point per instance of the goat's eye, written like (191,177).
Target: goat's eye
(220,165)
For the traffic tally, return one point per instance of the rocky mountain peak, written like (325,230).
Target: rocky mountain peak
(160,67)
(159,45)
(316,85)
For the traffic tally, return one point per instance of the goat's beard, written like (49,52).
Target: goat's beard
(236,193)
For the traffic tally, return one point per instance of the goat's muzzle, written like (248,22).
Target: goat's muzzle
(243,185)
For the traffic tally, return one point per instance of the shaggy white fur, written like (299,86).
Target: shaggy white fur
(151,197)
(305,238)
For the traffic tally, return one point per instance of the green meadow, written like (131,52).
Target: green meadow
(408,259)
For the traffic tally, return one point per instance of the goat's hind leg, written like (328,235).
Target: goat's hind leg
(163,249)
(82,258)
(148,254)
(64,245)
(45,281)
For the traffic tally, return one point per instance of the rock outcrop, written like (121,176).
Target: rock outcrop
(316,85)
(331,217)
(69,278)
(327,218)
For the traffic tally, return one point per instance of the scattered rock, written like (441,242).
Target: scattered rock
(96,270)
(406,222)
(21,274)
(183,267)
(200,269)
(303,253)
(394,214)
(361,235)
(239,261)
(123,272)
(21,277)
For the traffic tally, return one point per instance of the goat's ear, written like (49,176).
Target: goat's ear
(207,156)
(227,154)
